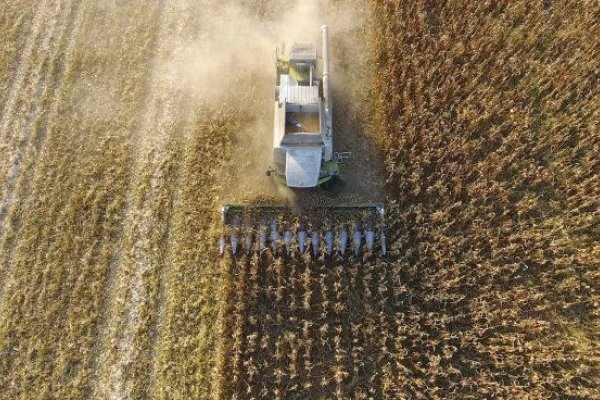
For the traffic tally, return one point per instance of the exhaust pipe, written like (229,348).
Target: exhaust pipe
(326,87)
(325,31)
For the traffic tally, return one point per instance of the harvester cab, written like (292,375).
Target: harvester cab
(303,158)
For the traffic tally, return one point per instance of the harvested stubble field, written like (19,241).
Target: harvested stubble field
(124,123)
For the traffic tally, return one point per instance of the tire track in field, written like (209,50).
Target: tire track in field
(146,228)
(29,91)
(17,23)
(59,66)
(68,308)
(24,94)
(167,243)
(195,17)
(18,191)
(109,319)
(23,68)
(110,307)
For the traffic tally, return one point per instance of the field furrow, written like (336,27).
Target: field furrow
(17,21)
(132,311)
(28,97)
(38,71)
(21,22)
(24,166)
(84,219)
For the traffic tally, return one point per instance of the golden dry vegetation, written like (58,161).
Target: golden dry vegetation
(489,113)
(115,155)
(104,168)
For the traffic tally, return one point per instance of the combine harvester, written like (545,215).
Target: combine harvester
(303,158)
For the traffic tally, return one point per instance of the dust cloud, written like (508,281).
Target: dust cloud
(236,45)
(230,66)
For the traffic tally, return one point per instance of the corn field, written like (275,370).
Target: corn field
(488,114)
(124,125)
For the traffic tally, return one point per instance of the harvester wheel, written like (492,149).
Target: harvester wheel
(334,186)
